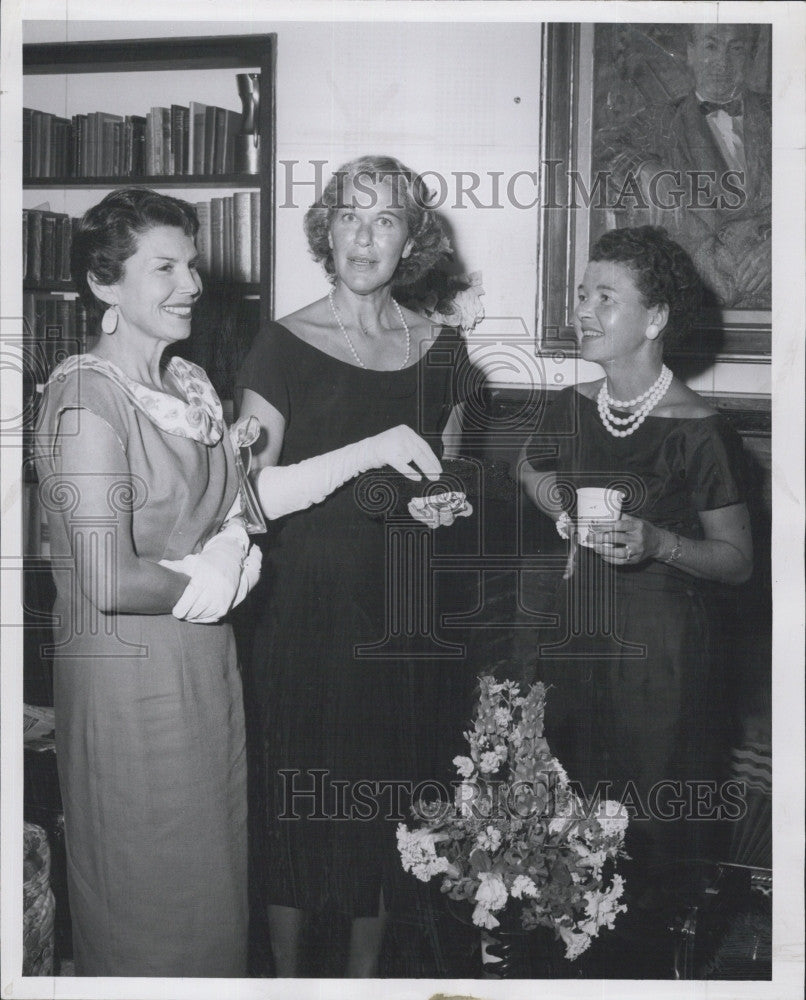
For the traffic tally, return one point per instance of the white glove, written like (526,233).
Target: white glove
(250,574)
(215,575)
(283,489)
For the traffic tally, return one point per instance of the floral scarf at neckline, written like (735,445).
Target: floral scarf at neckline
(198,417)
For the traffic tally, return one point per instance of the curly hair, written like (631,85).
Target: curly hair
(430,244)
(664,274)
(106,236)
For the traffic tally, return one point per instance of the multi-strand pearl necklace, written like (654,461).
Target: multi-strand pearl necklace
(648,401)
(353,351)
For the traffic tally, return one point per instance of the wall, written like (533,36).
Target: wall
(455,99)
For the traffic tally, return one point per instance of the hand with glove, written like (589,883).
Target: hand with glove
(284,489)
(219,576)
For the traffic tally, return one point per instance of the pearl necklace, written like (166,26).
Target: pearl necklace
(353,351)
(648,401)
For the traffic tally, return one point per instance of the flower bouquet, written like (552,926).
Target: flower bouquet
(518,844)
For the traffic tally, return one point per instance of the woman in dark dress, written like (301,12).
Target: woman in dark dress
(633,699)
(339,690)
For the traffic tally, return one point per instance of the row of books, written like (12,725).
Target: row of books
(194,140)
(55,327)
(229,237)
(228,240)
(46,241)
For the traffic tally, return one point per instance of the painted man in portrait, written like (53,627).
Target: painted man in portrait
(700,165)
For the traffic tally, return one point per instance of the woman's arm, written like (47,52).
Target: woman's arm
(725,554)
(266,450)
(540,487)
(286,489)
(90,461)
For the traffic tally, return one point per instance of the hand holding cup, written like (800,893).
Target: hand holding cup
(596,505)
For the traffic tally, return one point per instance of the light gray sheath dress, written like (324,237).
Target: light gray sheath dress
(149,712)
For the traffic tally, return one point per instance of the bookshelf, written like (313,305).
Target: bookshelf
(256,53)
(71,88)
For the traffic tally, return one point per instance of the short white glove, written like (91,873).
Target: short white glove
(283,489)
(215,575)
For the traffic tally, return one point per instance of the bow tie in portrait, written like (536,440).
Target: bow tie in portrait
(733,108)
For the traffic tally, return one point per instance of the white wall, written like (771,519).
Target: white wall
(442,97)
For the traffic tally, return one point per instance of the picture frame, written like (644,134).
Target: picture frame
(575,203)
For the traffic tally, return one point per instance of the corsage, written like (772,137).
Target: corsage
(564,525)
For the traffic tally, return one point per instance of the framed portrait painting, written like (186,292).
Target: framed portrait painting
(668,125)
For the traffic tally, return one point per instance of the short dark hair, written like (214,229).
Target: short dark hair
(106,236)
(664,274)
(430,244)
(750,31)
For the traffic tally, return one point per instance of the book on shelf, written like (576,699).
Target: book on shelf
(98,159)
(78,163)
(24,244)
(228,241)
(33,248)
(27,141)
(48,245)
(179,134)
(242,237)
(254,231)
(197,136)
(55,327)
(177,140)
(47,240)
(203,237)
(229,237)
(217,239)
(227,126)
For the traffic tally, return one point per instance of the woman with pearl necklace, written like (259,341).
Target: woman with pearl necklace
(634,699)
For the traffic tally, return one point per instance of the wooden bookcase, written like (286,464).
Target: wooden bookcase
(175,55)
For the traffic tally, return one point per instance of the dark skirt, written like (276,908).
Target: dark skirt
(636,707)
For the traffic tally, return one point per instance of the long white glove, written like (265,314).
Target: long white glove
(283,489)
(215,575)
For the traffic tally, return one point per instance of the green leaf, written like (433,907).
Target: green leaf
(480,860)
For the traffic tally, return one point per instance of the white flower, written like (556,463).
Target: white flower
(490,762)
(418,853)
(491,893)
(483,918)
(557,824)
(575,941)
(523,888)
(502,717)
(489,839)
(613,819)
(464,765)
(603,907)
(467,795)
(590,859)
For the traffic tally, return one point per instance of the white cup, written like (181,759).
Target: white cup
(596,503)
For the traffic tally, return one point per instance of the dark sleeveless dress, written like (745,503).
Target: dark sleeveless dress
(341,690)
(634,699)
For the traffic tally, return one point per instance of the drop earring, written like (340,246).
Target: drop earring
(109,320)
(652,331)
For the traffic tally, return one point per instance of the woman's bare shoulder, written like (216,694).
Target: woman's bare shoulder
(684,404)
(309,322)
(420,327)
